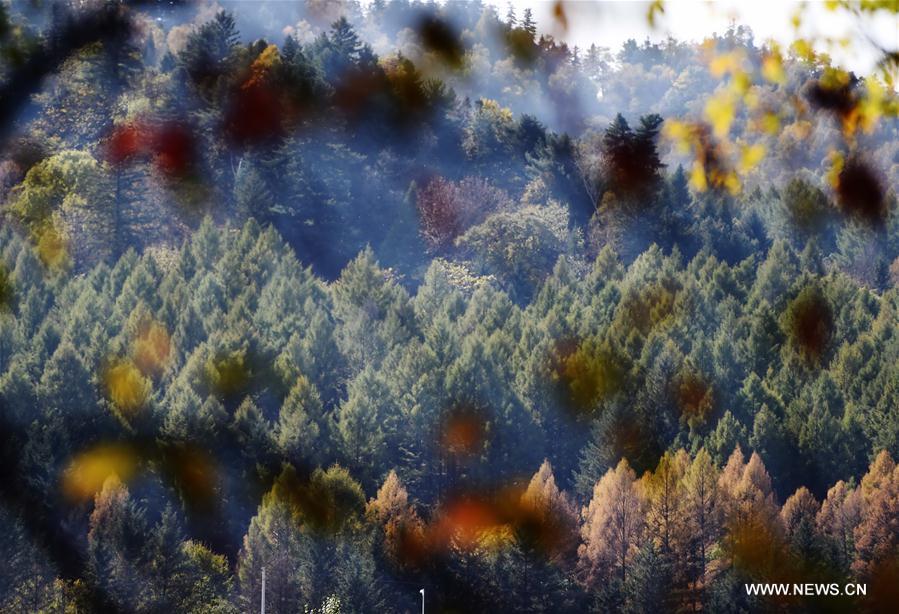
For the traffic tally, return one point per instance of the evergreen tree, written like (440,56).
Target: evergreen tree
(511,21)
(275,541)
(648,586)
(364,422)
(836,522)
(528,24)
(727,435)
(798,516)
(208,51)
(164,562)
(252,198)
(770,440)
(298,432)
(114,546)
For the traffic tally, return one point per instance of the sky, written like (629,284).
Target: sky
(609,24)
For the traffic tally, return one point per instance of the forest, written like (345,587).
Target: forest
(400,296)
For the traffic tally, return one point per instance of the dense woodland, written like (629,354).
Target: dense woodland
(412,296)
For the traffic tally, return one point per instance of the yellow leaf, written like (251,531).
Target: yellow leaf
(870,109)
(720,112)
(151,348)
(126,387)
(750,156)
(770,123)
(740,82)
(732,183)
(836,167)
(724,64)
(52,247)
(228,373)
(680,133)
(269,57)
(773,69)
(675,130)
(496,537)
(86,473)
(803,50)
(697,178)
(834,78)
(887,74)
(656,7)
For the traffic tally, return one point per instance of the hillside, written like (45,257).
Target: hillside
(402,296)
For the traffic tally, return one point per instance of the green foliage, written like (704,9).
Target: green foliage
(274,541)
(519,248)
(71,194)
(727,435)
(208,50)
(588,306)
(300,435)
(400,370)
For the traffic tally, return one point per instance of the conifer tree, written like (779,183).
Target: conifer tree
(528,24)
(276,542)
(299,433)
(613,528)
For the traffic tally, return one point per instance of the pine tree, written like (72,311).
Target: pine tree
(340,51)
(617,141)
(680,191)
(511,21)
(729,433)
(206,582)
(808,324)
(252,197)
(528,24)
(68,391)
(775,276)
(344,38)
(798,515)
(771,441)
(208,52)
(355,579)
(251,430)
(27,575)
(164,562)
(276,542)
(861,253)
(364,421)
(298,432)
(114,541)
(648,587)
(631,163)
(836,522)
(392,500)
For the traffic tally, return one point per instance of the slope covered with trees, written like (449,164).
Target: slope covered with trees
(225,393)
(438,316)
